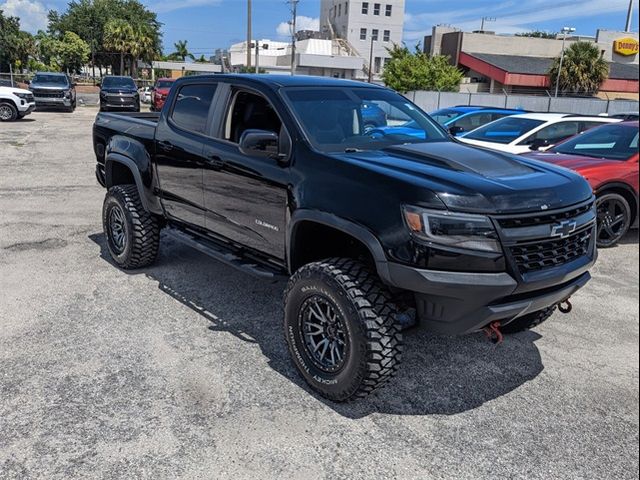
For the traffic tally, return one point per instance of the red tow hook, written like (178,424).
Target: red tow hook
(493,333)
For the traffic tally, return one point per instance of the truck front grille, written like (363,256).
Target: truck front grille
(544,219)
(546,253)
(48,94)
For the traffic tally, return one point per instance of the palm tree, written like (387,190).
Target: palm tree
(182,52)
(118,35)
(583,69)
(201,59)
(142,47)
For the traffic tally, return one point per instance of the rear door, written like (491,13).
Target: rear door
(179,143)
(245,197)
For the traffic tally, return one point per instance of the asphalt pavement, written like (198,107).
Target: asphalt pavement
(181,370)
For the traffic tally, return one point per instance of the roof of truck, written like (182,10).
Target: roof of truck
(289,80)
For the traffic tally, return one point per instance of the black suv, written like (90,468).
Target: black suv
(119,93)
(53,90)
(278,176)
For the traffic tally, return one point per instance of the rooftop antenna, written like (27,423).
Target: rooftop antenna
(486,19)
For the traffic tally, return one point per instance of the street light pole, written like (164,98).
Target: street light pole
(248,34)
(371,60)
(294,16)
(565,30)
(627,27)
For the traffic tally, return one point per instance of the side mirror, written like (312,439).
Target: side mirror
(260,143)
(539,143)
(455,130)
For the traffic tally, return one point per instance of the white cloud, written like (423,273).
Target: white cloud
(32,14)
(511,16)
(302,23)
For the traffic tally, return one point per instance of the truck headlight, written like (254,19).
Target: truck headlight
(21,95)
(460,230)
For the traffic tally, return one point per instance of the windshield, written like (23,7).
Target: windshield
(613,142)
(445,115)
(46,78)
(164,84)
(353,119)
(118,82)
(504,130)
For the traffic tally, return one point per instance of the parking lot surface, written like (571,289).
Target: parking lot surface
(181,369)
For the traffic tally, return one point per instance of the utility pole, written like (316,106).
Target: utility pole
(248,34)
(294,14)
(257,56)
(627,28)
(371,60)
(564,31)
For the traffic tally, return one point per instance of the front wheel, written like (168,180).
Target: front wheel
(614,219)
(8,112)
(132,233)
(341,329)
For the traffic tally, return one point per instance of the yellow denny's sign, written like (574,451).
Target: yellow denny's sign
(626,46)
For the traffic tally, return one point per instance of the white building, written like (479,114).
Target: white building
(363,25)
(314,56)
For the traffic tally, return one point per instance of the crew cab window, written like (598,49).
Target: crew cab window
(504,130)
(191,108)
(614,142)
(250,111)
(472,121)
(554,133)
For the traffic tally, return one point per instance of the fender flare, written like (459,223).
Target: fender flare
(112,158)
(353,229)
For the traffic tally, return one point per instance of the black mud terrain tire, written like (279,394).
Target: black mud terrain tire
(132,233)
(529,321)
(360,321)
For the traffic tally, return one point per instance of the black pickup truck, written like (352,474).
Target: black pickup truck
(376,230)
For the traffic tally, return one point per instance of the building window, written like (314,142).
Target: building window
(365,8)
(387,10)
(363,34)
(376,9)
(374,34)
(339,9)
(386,36)
(377,62)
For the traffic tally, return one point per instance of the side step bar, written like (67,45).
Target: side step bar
(225,254)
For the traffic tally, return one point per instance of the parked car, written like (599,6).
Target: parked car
(462,118)
(277,176)
(160,93)
(373,116)
(119,93)
(145,94)
(531,131)
(15,103)
(53,90)
(626,116)
(607,156)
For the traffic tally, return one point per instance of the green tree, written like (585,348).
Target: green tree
(16,46)
(537,34)
(583,69)
(72,52)
(118,37)
(202,59)
(408,71)
(182,52)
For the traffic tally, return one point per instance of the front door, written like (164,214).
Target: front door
(245,197)
(179,147)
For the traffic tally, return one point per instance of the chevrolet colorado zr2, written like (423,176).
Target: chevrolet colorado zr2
(278,176)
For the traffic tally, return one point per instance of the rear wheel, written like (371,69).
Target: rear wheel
(341,329)
(614,219)
(132,233)
(8,112)
(529,321)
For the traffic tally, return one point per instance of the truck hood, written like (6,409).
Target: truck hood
(8,90)
(49,86)
(473,179)
(574,162)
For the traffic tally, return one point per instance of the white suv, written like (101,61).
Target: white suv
(15,103)
(531,131)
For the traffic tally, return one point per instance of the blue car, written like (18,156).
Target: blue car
(462,119)
(372,116)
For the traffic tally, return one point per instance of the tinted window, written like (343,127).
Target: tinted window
(164,84)
(614,142)
(445,115)
(118,82)
(554,133)
(504,130)
(354,118)
(191,107)
(472,121)
(46,78)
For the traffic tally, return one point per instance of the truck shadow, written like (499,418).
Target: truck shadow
(440,375)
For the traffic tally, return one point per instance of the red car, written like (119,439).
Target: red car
(160,92)
(607,156)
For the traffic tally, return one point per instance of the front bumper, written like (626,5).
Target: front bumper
(454,303)
(121,103)
(54,102)
(27,108)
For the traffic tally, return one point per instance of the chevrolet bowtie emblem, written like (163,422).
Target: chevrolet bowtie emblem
(563,229)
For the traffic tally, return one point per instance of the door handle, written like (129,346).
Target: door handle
(214,162)
(166,146)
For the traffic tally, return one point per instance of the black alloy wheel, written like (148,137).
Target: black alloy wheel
(324,333)
(117,229)
(614,219)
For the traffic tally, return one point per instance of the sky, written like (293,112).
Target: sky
(211,24)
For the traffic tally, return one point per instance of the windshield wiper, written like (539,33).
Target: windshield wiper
(353,150)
